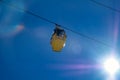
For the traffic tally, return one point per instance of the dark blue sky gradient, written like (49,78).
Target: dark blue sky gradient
(25,50)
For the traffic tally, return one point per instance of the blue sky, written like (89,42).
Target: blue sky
(25,50)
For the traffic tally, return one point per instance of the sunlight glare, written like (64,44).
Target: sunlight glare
(111,66)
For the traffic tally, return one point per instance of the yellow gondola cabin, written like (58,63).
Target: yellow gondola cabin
(58,39)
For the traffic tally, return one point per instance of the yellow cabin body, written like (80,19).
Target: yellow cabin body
(58,42)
